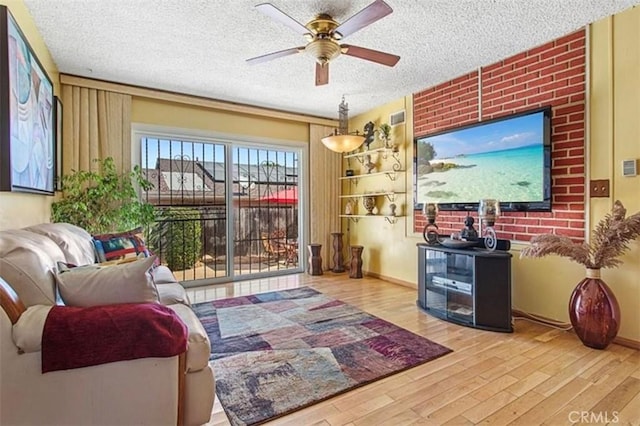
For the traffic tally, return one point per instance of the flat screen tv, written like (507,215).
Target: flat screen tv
(508,159)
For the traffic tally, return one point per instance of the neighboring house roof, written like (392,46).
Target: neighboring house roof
(188,182)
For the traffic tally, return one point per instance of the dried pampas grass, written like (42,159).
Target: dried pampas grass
(610,239)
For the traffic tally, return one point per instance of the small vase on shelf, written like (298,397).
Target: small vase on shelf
(385,135)
(369,204)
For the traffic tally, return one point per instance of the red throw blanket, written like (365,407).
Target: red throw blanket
(79,337)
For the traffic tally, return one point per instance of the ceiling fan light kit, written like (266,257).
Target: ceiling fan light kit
(323,34)
(342,141)
(323,50)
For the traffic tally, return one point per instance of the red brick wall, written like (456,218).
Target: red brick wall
(551,74)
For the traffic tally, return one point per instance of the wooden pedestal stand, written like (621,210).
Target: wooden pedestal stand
(315,260)
(338,263)
(356,262)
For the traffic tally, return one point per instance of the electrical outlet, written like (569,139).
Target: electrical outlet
(599,188)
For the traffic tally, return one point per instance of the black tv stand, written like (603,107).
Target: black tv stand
(470,287)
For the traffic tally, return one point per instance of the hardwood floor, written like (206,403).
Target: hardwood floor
(536,375)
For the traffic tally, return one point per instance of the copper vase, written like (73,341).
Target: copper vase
(594,311)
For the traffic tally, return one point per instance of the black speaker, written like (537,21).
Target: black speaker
(504,245)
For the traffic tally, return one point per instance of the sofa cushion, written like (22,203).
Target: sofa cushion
(163,275)
(28,263)
(103,285)
(199,347)
(75,242)
(172,293)
(120,245)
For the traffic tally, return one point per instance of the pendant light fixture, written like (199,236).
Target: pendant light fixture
(341,140)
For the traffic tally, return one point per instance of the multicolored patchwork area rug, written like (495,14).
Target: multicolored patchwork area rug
(274,353)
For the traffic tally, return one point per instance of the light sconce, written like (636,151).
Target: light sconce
(488,212)
(342,140)
(430,231)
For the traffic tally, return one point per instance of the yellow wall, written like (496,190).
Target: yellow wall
(543,286)
(18,210)
(389,249)
(151,111)
(615,136)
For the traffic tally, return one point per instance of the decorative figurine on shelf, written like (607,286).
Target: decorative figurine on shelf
(368,134)
(430,231)
(385,134)
(469,233)
(369,204)
(488,212)
(369,165)
(348,208)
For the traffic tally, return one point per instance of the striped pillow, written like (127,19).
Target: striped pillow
(120,245)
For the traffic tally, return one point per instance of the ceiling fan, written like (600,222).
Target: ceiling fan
(324,33)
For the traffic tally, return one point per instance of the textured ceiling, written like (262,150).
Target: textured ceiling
(199,47)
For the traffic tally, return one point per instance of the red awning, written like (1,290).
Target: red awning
(285,196)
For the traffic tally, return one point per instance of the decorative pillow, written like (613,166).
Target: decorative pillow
(120,245)
(94,285)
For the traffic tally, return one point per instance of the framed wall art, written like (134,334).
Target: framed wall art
(27,127)
(58,119)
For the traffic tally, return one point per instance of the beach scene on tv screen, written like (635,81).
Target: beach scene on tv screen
(503,160)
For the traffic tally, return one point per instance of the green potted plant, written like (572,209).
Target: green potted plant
(593,308)
(104,200)
(385,134)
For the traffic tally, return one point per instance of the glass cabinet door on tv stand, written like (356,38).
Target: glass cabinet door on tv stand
(468,287)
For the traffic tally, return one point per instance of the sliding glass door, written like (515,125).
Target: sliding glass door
(225,210)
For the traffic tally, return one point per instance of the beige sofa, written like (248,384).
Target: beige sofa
(147,391)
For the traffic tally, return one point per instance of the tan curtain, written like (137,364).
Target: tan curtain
(325,171)
(96,124)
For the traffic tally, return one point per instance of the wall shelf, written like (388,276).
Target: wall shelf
(387,162)
(391,195)
(391,174)
(384,153)
(356,217)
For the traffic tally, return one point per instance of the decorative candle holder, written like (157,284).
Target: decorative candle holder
(430,231)
(488,212)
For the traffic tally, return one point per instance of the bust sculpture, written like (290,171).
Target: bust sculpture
(469,233)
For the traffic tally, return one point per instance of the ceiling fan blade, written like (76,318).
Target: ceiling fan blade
(275,13)
(274,55)
(322,74)
(367,16)
(370,55)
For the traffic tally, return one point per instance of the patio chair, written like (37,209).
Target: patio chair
(274,250)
